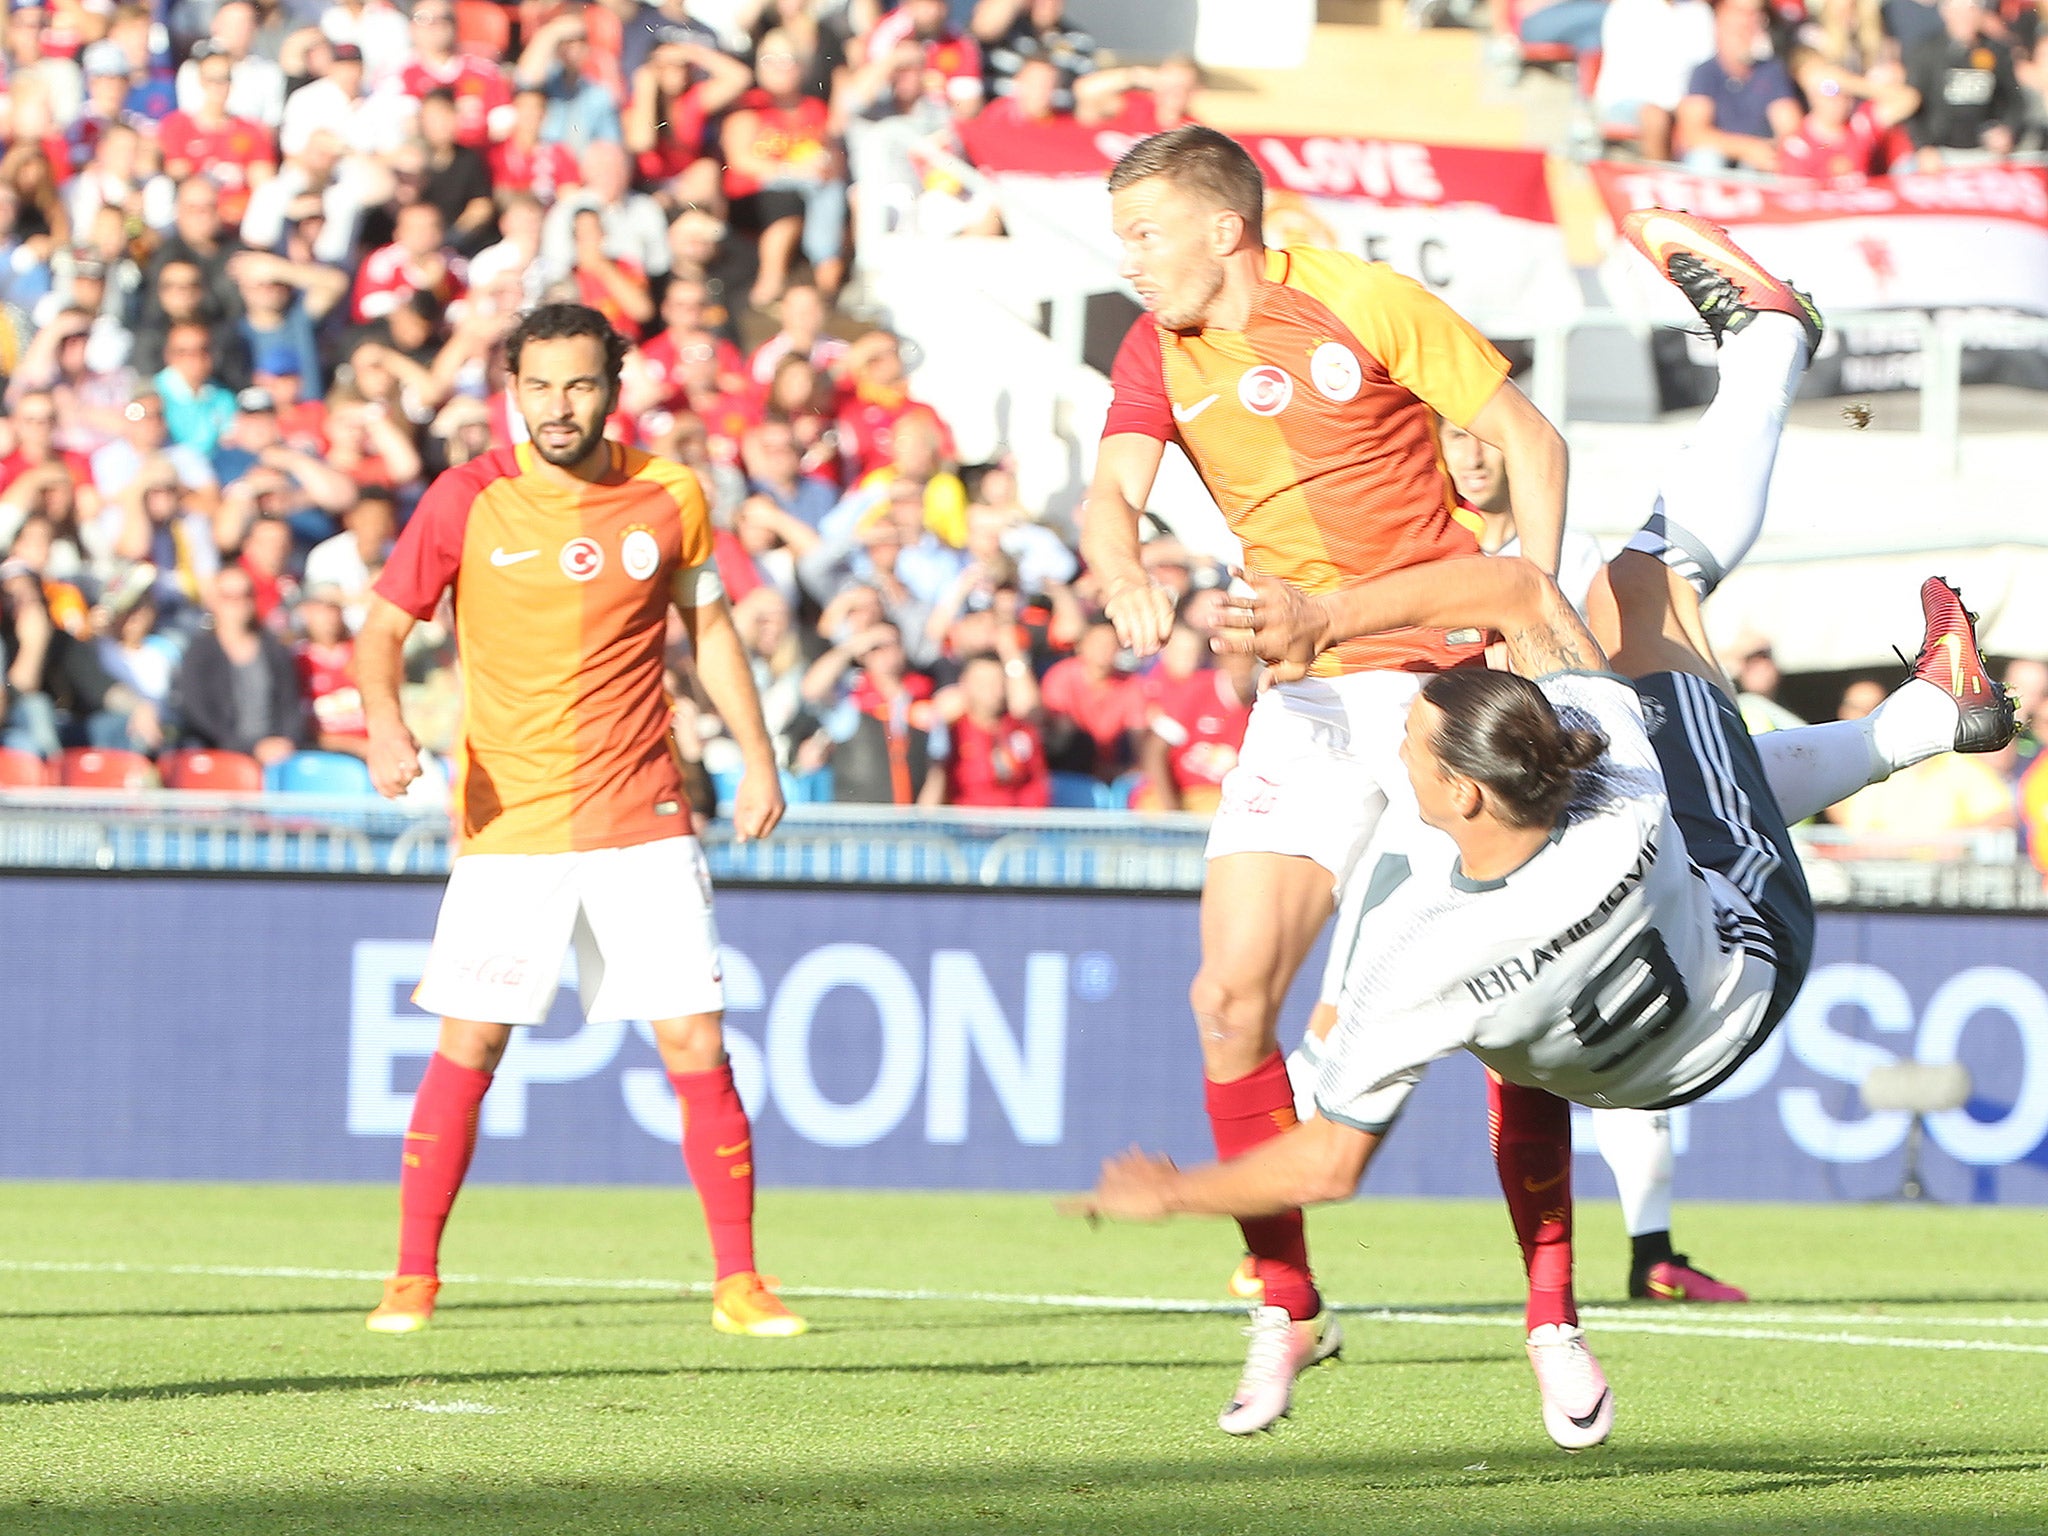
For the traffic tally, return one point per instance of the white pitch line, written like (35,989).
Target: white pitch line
(1610,1320)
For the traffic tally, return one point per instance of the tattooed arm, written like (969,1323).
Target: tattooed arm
(1288,629)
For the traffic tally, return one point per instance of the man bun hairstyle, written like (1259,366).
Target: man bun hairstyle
(560,322)
(1212,166)
(1500,731)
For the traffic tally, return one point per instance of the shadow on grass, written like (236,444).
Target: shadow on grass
(1669,1491)
(257,1386)
(353,1308)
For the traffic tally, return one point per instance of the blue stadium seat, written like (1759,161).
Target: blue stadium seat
(1076,792)
(1116,795)
(319,773)
(813,788)
(726,785)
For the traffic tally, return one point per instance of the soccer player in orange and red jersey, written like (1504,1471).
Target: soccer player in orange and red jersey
(1302,385)
(564,554)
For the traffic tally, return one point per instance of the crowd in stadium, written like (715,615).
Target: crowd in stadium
(258,262)
(259,256)
(1821,90)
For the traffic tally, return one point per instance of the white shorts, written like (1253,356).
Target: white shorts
(640,918)
(1319,762)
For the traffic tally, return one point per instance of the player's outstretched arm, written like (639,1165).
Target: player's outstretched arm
(1315,1161)
(729,683)
(394,756)
(1288,628)
(1125,466)
(1537,464)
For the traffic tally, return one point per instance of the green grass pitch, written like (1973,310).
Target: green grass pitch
(1892,1377)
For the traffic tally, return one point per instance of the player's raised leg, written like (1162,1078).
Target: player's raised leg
(1949,702)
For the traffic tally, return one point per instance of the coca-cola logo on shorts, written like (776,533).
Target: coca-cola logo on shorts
(501,971)
(1265,390)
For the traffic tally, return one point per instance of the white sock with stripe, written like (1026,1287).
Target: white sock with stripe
(1712,504)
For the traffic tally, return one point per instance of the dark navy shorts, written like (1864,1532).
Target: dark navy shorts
(1730,820)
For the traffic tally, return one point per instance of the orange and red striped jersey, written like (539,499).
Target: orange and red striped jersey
(561,614)
(1314,428)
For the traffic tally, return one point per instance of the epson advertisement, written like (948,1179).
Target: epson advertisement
(263,1029)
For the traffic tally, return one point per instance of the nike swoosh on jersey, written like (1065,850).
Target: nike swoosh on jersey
(1187,413)
(499,557)
(738,1146)
(1537,1186)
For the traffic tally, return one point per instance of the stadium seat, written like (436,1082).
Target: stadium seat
(484,27)
(22,770)
(1076,792)
(319,773)
(104,768)
(813,788)
(1118,793)
(201,768)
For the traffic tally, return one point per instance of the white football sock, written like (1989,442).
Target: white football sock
(1811,767)
(1712,504)
(1637,1146)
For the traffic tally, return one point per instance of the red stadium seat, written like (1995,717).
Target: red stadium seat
(483,26)
(199,768)
(100,768)
(22,770)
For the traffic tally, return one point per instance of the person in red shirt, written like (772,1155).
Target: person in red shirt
(522,161)
(874,400)
(1139,101)
(664,122)
(1845,132)
(656,378)
(416,261)
(483,97)
(785,175)
(1091,708)
(34,416)
(1195,716)
(611,285)
(231,152)
(948,53)
(996,756)
(327,674)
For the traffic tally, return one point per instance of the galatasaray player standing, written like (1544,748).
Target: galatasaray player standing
(564,555)
(1304,386)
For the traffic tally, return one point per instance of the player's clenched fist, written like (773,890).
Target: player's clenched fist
(756,806)
(1263,616)
(394,759)
(1143,615)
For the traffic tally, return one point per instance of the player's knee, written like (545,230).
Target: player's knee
(695,1043)
(477,1046)
(1228,1013)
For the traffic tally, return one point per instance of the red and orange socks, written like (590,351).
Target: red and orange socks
(1243,1113)
(1532,1150)
(718,1151)
(438,1144)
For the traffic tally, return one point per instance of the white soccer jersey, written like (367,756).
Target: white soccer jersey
(1608,969)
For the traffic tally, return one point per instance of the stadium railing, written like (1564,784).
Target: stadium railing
(190,832)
